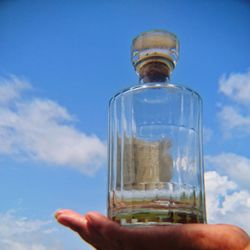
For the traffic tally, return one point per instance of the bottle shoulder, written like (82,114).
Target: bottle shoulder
(175,88)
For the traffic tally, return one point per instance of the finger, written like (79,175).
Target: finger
(101,223)
(71,219)
(64,211)
(81,225)
(105,231)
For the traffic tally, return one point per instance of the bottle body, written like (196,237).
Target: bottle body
(155,156)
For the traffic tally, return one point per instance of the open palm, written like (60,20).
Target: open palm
(105,234)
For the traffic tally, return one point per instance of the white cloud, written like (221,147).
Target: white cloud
(11,226)
(216,186)
(227,188)
(236,167)
(42,130)
(233,122)
(236,86)
(14,245)
(225,202)
(20,233)
(8,91)
(235,119)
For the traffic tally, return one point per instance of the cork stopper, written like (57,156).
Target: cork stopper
(154,55)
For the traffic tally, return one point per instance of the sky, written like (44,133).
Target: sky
(61,62)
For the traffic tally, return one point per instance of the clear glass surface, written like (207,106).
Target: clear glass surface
(155,156)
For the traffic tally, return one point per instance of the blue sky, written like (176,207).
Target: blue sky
(60,63)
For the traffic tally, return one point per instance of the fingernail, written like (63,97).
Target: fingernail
(59,212)
(62,219)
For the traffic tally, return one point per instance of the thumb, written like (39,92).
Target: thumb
(94,228)
(75,222)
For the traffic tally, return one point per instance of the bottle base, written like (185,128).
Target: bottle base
(143,217)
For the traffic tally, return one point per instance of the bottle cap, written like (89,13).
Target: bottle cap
(155,46)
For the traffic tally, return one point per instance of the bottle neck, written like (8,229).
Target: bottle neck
(154,72)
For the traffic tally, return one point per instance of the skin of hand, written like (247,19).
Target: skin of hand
(105,234)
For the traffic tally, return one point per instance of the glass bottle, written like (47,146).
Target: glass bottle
(155,142)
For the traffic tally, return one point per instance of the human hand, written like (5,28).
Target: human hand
(105,234)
